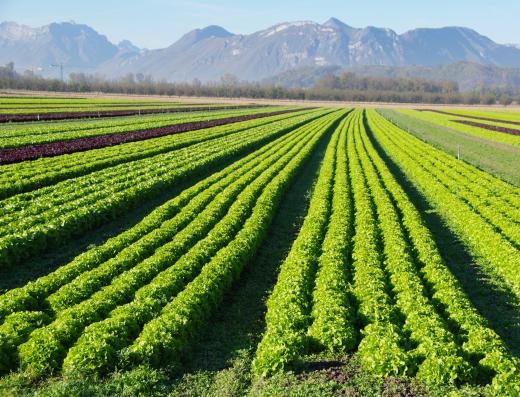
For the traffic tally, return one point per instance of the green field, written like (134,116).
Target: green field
(305,251)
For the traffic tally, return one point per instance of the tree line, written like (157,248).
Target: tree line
(345,87)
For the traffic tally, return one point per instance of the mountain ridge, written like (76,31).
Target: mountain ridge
(209,53)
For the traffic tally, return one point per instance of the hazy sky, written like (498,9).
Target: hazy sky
(158,23)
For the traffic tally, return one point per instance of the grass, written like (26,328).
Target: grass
(498,159)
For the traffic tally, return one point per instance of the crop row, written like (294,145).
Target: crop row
(87,106)
(18,154)
(138,250)
(482,183)
(44,111)
(436,355)
(164,337)
(497,128)
(44,128)
(53,214)
(132,245)
(481,342)
(26,176)
(382,347)
(115,331)
(497,255)
(40,133)
(403,331)
(206,207)
(287,316)
(500,210)
(466,129)
(35,202)
(150,283)
(471,116)
(5,118)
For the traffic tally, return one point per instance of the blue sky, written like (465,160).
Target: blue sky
(158,23)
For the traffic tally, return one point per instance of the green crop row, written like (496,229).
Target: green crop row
(72,206)
(381,349)
(28,175)
(436,354)
(116,331)
(480,341)
(45,134)
(31,296)
(46,347)
(486,186)
(166,336)
(27,206)
(288,308)
(445,120)
(500,209)
(218,197)
(394,273)
(60,126)
(333,310)
(94,108)
(496,255)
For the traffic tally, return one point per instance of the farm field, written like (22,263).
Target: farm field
(497,158)
(23,110)
(257,250)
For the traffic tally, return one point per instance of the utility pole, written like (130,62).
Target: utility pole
(60,65)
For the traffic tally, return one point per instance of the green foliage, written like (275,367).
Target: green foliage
(480,341)
(36,220)
(206,239)
(164,337)
(13,331)
(494,158)
(288,306)
(332,311)
(44,132)
(498,254)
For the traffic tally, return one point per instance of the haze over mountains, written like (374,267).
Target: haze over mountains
(209,53)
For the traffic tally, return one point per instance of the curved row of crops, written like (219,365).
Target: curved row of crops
(150,287)
(362,276)
(32,221)
(492,237)
(374,286)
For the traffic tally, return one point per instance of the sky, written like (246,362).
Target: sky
(159,23)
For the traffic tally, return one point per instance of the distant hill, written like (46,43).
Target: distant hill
(468,75)
(314,48)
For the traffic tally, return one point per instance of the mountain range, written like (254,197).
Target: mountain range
(209,53)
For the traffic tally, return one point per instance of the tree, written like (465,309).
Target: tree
(506,100)
(229,80)
(489,99)
(330,81)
